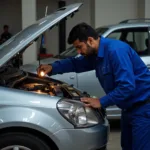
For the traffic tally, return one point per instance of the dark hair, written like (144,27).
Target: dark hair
(5,26)
(82,31)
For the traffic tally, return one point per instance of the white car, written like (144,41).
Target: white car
(134,32)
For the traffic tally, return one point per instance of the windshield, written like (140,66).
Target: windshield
(70,52)
(101,30)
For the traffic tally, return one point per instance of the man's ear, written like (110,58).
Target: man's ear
(90,41)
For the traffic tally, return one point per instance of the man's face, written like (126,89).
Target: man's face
(84,48)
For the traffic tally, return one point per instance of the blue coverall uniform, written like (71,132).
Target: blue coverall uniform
(126,80)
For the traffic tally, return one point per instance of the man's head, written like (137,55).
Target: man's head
(85,39)
(6,28)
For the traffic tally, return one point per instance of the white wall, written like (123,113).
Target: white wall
(83,15)
(52,36)
(28,18)
(147,6)
(141,8)
(105,12)
(113,11)
(93,12)
(10,14)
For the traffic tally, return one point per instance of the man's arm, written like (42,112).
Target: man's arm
(124,77)
(78,64)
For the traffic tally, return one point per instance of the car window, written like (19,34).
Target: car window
(101,30)
(137,38)
(115,35)
(67,50)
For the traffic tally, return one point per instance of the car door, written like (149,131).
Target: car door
(138,38)
(88,82)
(70,78)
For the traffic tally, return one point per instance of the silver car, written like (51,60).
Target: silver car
(135,32)
(40,113)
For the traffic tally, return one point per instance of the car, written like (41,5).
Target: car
(134,32)
(41,113)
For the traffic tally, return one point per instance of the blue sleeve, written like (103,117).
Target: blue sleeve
(124,77)
(73,64)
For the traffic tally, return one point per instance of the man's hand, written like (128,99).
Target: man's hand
(45,68)
(91,102)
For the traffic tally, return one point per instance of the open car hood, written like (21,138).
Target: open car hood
(23,39)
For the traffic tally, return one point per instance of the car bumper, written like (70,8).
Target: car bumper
(93,138)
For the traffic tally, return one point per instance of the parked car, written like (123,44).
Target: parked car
(41,113)
(135,32)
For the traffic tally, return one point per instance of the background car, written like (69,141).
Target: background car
(40,113)
(135,32)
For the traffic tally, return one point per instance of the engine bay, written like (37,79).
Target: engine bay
(14,78)
(11,77)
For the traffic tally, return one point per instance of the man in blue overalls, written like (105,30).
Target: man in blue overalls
(122,74)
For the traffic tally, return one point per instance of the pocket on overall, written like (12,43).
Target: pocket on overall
(108,78)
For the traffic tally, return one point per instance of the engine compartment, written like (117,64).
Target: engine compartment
(14,78)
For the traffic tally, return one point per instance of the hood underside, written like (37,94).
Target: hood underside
(23,39)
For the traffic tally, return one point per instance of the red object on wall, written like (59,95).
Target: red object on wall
(45,55)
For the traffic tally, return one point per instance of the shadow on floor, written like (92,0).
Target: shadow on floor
(114,125)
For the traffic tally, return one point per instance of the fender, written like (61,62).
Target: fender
(12,116)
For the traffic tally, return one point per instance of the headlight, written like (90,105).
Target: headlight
(77,114)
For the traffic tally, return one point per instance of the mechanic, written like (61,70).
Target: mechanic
(122,74)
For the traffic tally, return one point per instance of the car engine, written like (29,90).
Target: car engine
(18,79)
(12,77)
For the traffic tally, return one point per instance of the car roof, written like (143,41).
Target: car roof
(139,22)
(126,25)
(107,29)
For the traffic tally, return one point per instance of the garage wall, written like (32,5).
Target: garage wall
(10,14)
(52,36)
(141,8)
(84,14)
(113,11)
(94,12)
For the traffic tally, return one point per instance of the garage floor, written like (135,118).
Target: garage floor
(114,139)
